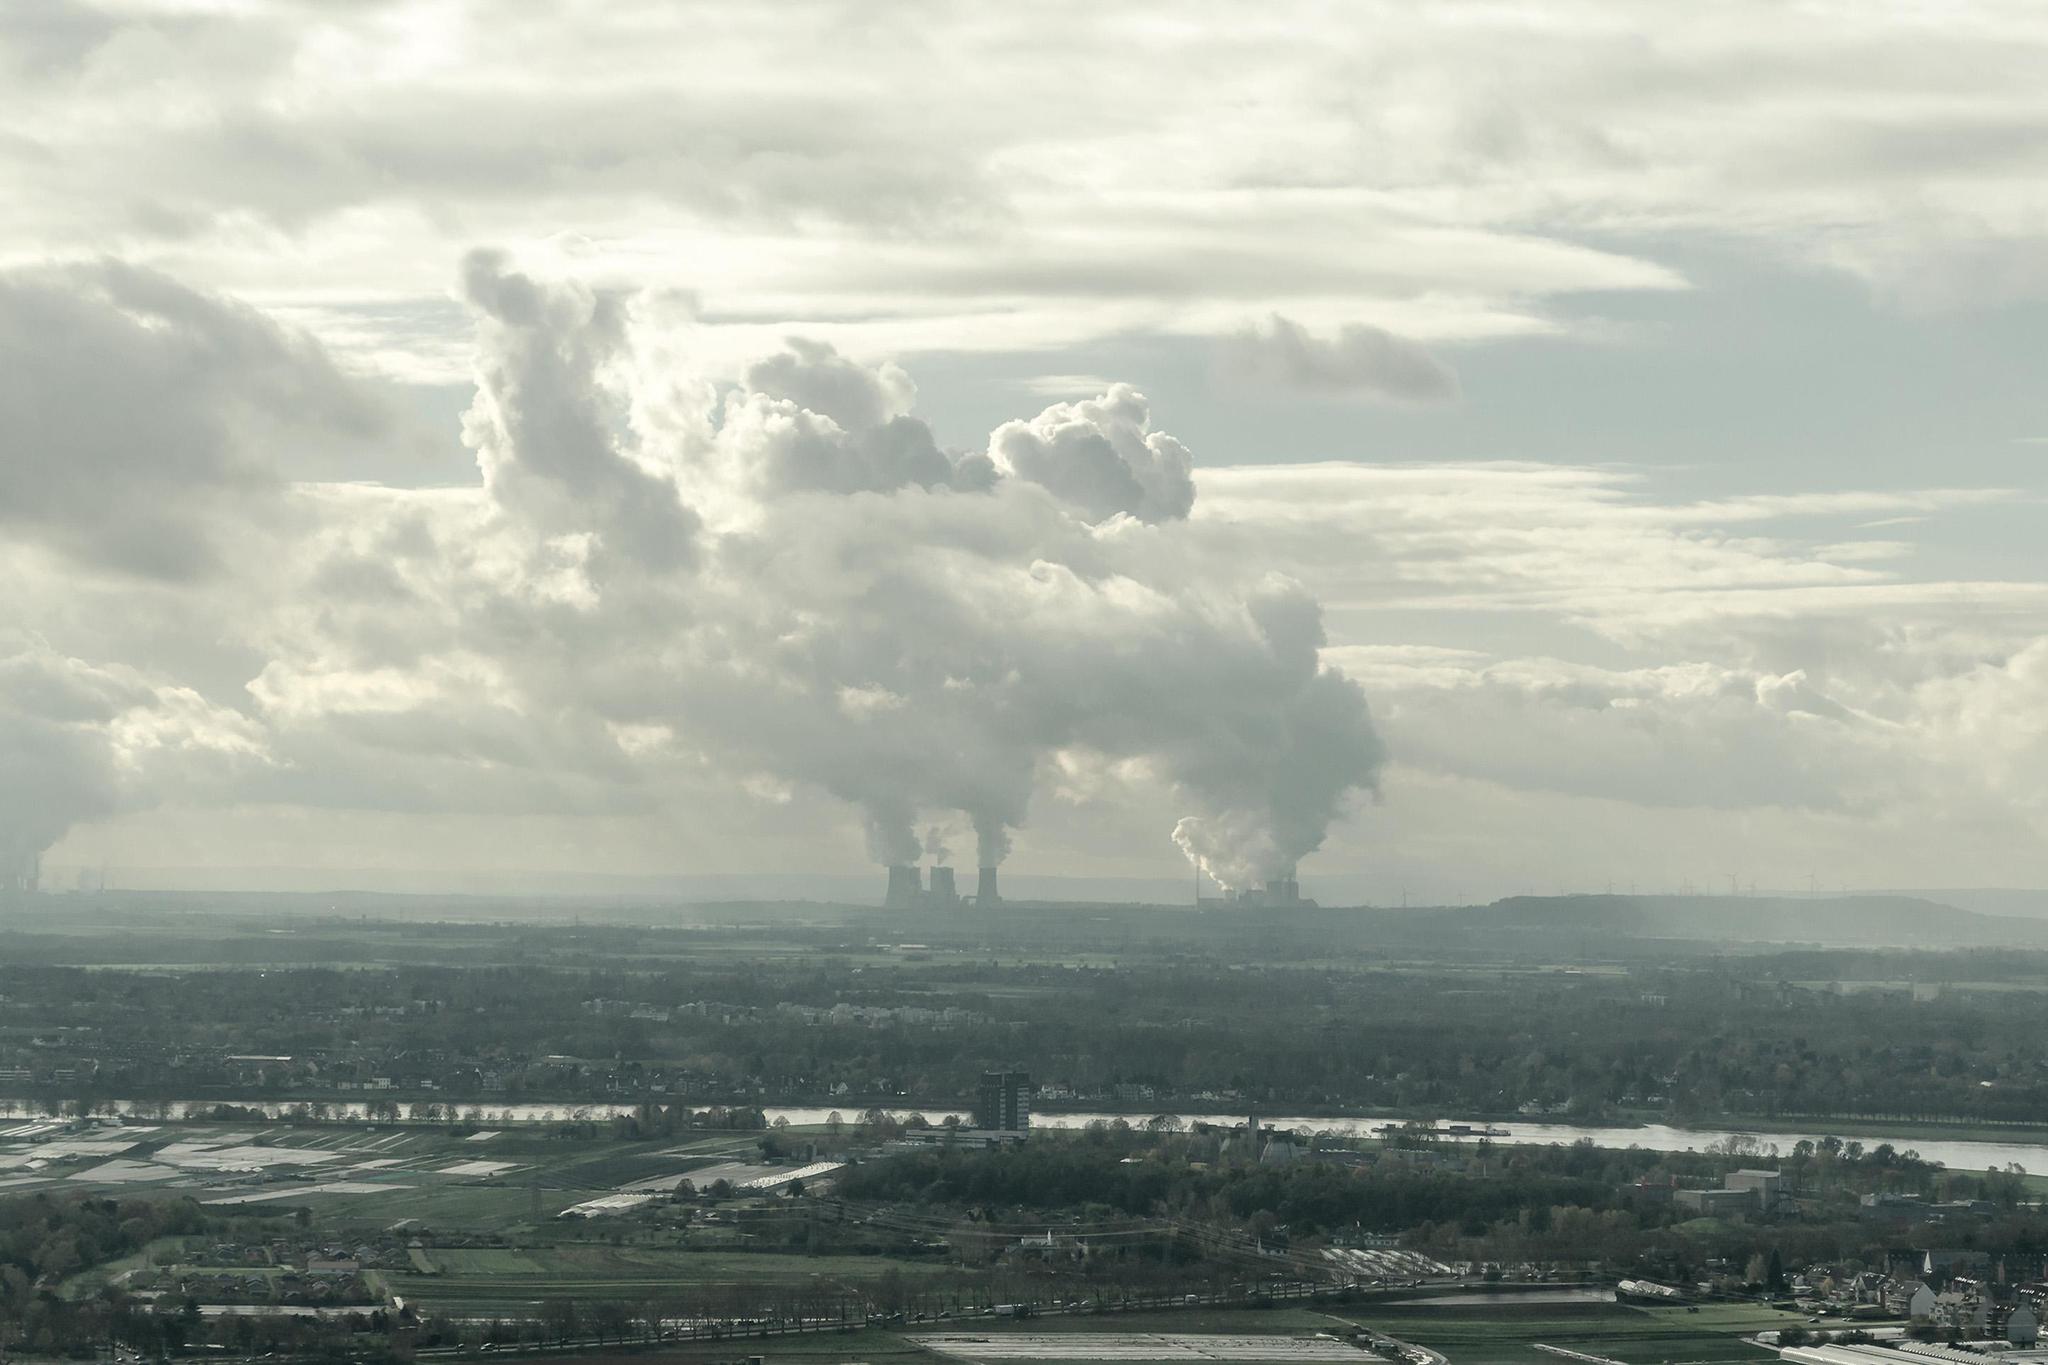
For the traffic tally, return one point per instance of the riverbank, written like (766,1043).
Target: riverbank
(1889,1130)
(1612,1130)
(1781,1130)
(1968,1154)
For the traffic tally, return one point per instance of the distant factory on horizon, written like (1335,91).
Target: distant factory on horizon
(1276,893)
(20,877)
(915,888)
(907,889)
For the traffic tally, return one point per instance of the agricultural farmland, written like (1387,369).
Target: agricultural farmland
(1170,1348)
(1497,1334)
(515,1281)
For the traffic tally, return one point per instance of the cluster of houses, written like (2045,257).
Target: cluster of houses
(1956,1295)
(277,1272)
(843,1015)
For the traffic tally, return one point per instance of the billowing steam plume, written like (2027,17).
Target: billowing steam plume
(138,421)
(80,741)
(57,763)
(70,736)
(673,580)
(788,577)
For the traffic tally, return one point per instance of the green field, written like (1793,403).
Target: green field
(1474,1335)
(163,1251)
(1502,1334)
(471,1208)
(1242,1322)
(480,1279)
(824,1348)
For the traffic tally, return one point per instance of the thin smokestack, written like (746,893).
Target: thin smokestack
(985,892)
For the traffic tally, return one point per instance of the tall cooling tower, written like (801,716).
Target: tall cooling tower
(985,892)
(1283,890)
(906,887)
(943,892)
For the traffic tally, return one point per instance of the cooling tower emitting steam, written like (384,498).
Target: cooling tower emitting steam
(58,764)
(789,577)
(673,584)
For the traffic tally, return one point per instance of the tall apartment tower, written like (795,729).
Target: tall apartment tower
(1003,1102)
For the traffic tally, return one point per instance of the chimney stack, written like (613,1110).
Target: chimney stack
(943,892)
(985,893)
(906,887)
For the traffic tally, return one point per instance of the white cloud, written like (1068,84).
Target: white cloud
(139,415)
(1064,385)
(571,641)
(716,581)
(1101,457)
(1438,174)
(1368,362)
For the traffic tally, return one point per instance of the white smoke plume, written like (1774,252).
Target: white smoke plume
(79,742)
(1269,784)
(913,630)
(59,767)
(992,839)
(138,424)
(671,579)
(542,429)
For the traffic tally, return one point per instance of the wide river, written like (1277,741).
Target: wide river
(1954,1153)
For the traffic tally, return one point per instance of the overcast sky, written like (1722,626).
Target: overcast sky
(1468,448)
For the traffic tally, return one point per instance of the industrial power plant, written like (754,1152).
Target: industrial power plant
(907,889)
(20,876)
(915,888)
(1277,893)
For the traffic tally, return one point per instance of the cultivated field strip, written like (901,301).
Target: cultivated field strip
(1143,1346)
